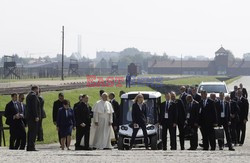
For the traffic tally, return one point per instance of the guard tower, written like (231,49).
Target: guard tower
(73,67)
(114,68)
(221,61)
(10,68)
(132,69)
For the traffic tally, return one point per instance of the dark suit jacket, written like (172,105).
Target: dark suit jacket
(139,116)
(207,114)
(233,95)
(76,105)
(197,97)
(219,110)
(235,110)
(244,108)
(181,111)
(194,113)
(10,111)
(63,121)
(82,114)
(244,92)
(22,111)
(183,98)
(43,114)
(57,104)
(32,110)
(172,113)
(116,114)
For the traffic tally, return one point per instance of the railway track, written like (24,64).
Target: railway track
(45,88)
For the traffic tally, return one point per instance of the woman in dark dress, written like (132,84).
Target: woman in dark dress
(65,123)
(139,119)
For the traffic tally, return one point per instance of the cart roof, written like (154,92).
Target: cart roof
(146,94)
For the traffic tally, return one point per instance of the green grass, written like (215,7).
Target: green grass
(193,80)
(50,134)
(232,79)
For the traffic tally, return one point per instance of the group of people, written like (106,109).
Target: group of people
(19,116)
(90,134)
(97,127)
(192,112)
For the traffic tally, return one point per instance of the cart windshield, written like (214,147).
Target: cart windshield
(127,110)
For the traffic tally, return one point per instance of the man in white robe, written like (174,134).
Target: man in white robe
(101,131)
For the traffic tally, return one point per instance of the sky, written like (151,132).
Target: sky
(187,27)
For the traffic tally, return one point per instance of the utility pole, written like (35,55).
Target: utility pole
(62,77)
(181,64)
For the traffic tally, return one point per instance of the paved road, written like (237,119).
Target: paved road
(51,153)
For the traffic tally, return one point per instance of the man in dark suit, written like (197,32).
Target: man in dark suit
(168,119)
(183,95)
(128,80)
(243,117)
(32,116)
(83,123)
(192,119)
(100,93)
(43,115)
(196,96)
(233,93)
(13,120)
(116,114)
(234,115)
(224,120)
(56,106)
(207,121)
(80,100)
(21,138)
(244,91)
(139,119)
(181,118)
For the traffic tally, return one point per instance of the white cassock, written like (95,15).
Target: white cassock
(101,135)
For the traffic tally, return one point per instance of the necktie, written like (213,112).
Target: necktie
(16,107)
(167,107)
(67,113)
(204,103)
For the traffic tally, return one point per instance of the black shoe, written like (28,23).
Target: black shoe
(164,149)
(32,150)
(88,149)
(213,149)
(182,148)
(192,149)
(201,145)
(221,148)
(205,149)
(240,144)
(231,149)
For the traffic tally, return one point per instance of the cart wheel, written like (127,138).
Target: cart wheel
(120,143)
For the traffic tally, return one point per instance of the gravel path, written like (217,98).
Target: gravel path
(51,152)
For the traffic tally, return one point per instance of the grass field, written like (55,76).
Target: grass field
(193,80)
(50,134)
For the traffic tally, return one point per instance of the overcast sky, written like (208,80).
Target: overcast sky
(188,27)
